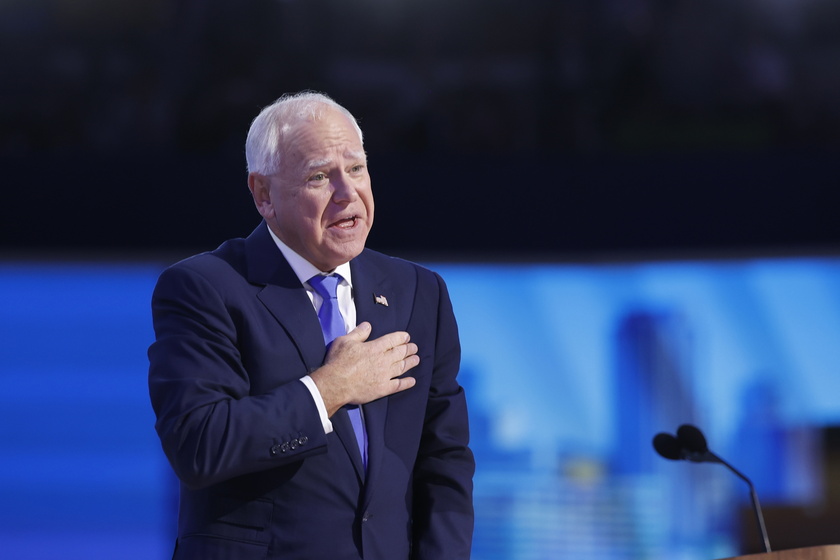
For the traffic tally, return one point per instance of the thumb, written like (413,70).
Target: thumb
(361,332)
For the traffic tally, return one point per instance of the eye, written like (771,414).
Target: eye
(357,168)
(319,177)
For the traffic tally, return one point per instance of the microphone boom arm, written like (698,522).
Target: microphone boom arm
(753,496)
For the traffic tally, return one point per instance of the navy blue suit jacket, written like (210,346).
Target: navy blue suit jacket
(235,331)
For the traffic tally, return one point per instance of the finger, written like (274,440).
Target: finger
(403,383)
(391,340)
(411,349)
(402,351)
(408,363)
(361,332)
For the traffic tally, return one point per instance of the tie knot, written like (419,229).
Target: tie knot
(325,286)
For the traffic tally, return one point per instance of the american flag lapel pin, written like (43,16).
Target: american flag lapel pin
(381,300)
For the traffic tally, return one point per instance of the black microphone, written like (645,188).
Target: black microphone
(695,444)
(690,445)
(668,446)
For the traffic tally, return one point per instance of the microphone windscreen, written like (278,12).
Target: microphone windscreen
(692,439)
(667,446)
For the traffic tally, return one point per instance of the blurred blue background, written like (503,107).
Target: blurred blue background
(570,368)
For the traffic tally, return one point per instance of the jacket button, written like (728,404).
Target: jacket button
(366,516)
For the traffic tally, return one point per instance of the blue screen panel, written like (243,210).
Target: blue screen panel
(570,370)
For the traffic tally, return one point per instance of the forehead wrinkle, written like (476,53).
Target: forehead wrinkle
(354,154)
(327,162)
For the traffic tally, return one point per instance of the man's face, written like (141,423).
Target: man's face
(320,204)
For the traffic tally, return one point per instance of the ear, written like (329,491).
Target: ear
(260,187)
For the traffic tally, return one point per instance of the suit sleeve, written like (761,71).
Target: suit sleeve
(211,425)
(443,514)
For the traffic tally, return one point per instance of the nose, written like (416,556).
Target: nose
(344,188)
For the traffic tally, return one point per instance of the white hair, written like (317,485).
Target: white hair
(263,147)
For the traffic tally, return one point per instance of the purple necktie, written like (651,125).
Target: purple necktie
(332,325)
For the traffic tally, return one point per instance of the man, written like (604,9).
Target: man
(256,403)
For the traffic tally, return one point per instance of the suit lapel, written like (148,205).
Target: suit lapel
(375,302)
(284,297)
(374,297)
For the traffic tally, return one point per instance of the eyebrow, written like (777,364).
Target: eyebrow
(316,163)
(355,154)
(349,154)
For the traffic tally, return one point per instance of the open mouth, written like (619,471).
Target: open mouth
(346,223)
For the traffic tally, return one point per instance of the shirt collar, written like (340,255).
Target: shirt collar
(304,269)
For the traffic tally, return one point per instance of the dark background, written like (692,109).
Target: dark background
(495,128)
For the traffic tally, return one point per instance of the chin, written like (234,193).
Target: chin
(349,253)
(332,259)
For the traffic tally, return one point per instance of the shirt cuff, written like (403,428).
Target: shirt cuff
(319,403)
